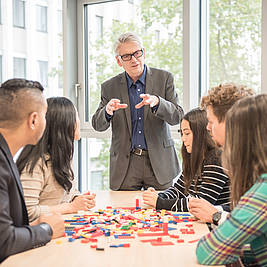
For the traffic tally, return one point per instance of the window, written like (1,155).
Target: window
(19,13)
(43,73)
(235,42)
(99,27)
(100,65)
(41,18)
(19,67)
(0,69)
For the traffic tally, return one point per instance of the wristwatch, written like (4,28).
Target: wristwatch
(216,217)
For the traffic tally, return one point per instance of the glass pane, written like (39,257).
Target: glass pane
(159,24)
(154,21)
(95,164)
(235,42)
(43,73)
(41,18)
(19,13)
(29,46)
(19,67)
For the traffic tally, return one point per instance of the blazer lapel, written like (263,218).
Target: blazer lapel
(13,166)
(149,89)
(123,87)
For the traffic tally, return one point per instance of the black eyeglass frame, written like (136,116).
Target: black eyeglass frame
(130,55)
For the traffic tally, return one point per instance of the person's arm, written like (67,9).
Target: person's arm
(215,184)
(100,121)
(174,198)
(33,185)
(246,222)
(16,238)
(169,109)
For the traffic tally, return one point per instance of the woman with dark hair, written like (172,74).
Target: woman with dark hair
(245,156)
(202,175)
(46,169)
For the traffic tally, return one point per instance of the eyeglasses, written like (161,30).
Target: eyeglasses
(136,54)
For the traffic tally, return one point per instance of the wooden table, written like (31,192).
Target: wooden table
(72,254)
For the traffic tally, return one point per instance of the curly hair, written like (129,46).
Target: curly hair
(222,97)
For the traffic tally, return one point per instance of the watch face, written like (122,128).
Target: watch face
(216,217)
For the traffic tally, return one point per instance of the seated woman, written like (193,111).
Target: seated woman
(202,175)
(46,169)
(245,156)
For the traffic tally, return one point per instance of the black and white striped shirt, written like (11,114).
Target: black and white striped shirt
(213,185)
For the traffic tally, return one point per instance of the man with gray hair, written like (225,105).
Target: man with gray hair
(139,104)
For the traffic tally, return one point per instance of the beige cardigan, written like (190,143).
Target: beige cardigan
(41,190)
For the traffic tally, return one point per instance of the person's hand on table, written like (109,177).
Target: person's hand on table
(113,105)
(148,99)
(56,222)
(150,197)
(83,202)
(201,209)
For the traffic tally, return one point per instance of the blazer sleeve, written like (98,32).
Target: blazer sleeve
(15,238)
(99,120)
(169,109)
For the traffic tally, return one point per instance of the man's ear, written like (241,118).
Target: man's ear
(118,61)
(144,55)
(33,120)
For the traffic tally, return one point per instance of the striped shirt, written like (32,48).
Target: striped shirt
(246,224)
(213,185)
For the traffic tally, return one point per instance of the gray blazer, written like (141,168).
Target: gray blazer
(159,142)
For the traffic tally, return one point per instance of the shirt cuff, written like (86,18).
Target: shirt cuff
(155,108)
(108,117)
(223,217)
(219,208)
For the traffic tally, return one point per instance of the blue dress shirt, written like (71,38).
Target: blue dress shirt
(138,139)
(137,115)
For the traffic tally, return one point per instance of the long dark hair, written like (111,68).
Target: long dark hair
(57,142)
(202,143)
(245,152)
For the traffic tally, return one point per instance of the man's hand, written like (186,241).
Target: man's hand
(56,222)
(148,99)
(201,209)
(113,105)
(150,197)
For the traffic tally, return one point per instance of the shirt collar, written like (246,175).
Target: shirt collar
(142,79)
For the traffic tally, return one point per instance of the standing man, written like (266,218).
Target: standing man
(139,104)
(218,101)
(22,121)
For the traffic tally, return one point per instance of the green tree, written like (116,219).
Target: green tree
(235,38)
